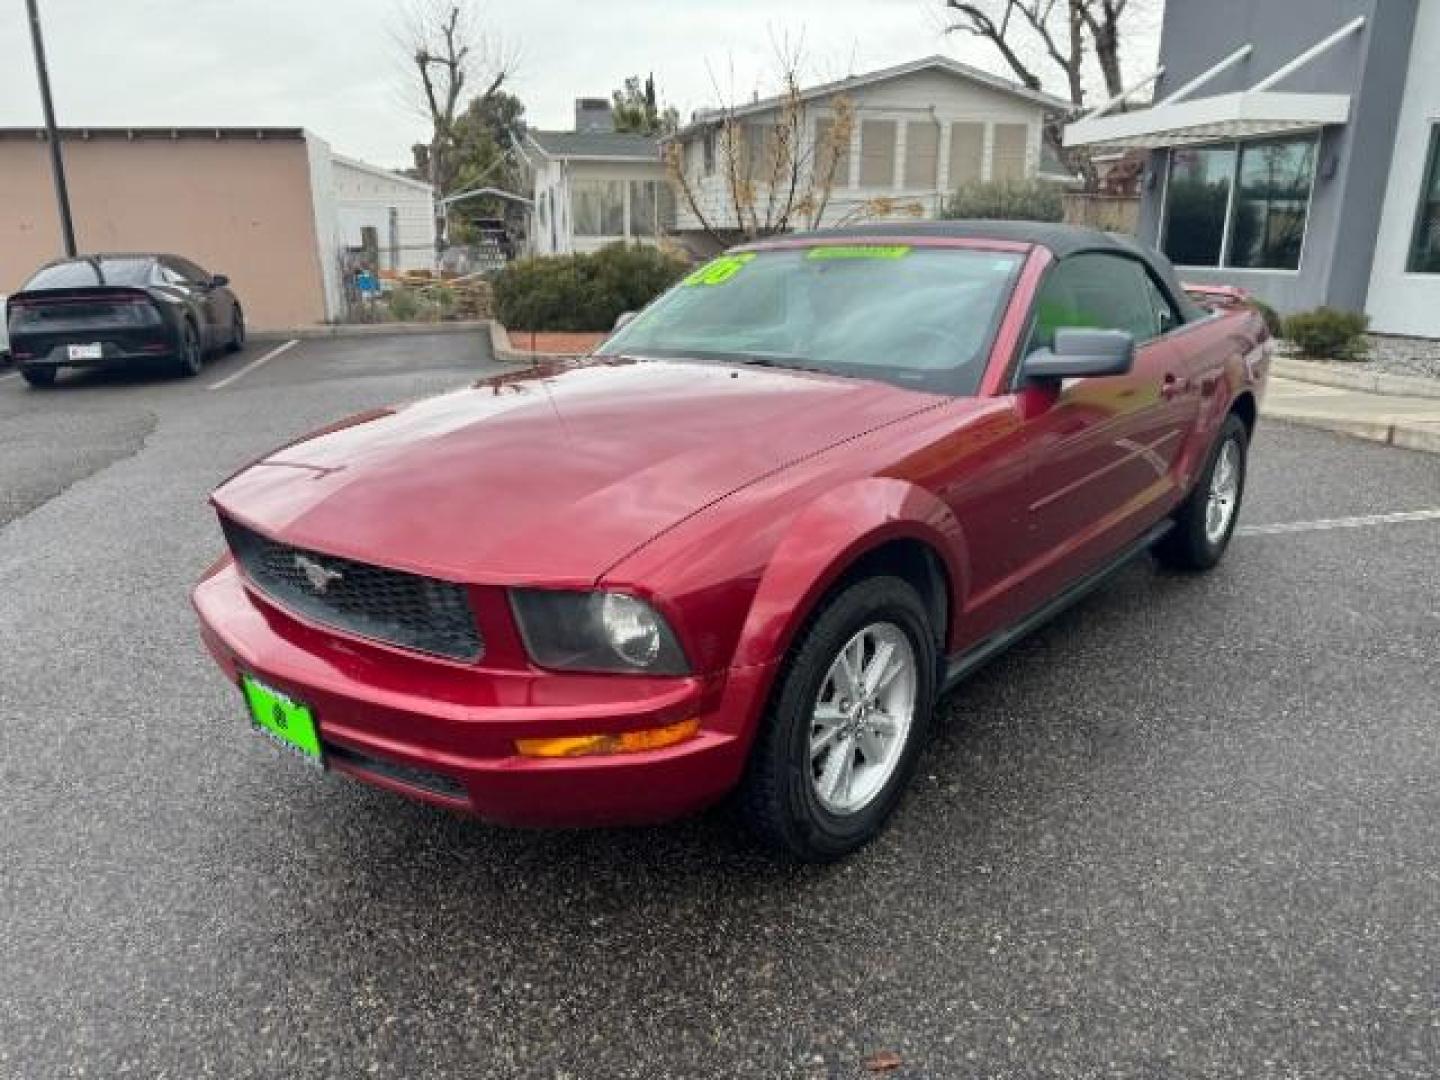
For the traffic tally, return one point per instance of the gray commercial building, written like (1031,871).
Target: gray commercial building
(1294,150)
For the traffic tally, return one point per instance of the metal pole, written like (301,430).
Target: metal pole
(57,161)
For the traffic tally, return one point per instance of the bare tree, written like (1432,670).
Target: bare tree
(1061,38)
(1102,18)
(1062,32)
(450,50)
(779,167)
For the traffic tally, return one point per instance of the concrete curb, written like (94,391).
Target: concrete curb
(307,333)
(506,353)
(1410,435)
(1345,378)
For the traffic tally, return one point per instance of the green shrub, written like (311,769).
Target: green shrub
(1328,333)
(404,305)
(1007,200)
(582,292)
(1273,322)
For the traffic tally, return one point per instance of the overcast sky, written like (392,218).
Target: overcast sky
(332,66)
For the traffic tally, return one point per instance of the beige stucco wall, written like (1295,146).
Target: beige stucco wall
(240,207)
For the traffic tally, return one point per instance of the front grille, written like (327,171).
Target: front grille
(423,779)
(402,609)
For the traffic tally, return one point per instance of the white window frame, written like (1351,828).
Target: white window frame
(1238,146)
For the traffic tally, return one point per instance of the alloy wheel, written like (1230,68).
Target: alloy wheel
(1224,495)
(862,718)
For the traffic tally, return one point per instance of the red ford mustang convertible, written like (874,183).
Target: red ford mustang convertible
(744,547)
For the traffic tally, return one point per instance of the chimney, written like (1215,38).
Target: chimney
(593,114)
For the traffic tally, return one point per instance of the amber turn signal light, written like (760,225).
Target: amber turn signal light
(625,742)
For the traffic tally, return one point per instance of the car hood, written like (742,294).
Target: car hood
(553,477)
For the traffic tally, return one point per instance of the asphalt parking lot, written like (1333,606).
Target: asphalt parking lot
(1188,830)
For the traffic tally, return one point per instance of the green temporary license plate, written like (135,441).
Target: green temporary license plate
(283,720)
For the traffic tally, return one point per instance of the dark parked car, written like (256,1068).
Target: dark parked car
(119,311)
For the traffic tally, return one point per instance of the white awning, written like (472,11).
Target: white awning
(1179,121)
(1245,115)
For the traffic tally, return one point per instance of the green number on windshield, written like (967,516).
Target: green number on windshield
(720,270)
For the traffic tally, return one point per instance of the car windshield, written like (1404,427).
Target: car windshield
(83,273)
(920,317)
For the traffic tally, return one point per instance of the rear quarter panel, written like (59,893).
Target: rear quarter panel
(1224,356)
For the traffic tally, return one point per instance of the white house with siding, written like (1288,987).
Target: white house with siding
(594,186)
(401,211)
(921,129)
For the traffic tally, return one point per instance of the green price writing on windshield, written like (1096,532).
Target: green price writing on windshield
(859,251)
(720,270)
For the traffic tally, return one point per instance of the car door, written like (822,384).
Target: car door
(1102,449)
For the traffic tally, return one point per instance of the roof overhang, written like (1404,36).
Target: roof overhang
(1245,115)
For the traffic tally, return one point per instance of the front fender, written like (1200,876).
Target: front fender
(826,538)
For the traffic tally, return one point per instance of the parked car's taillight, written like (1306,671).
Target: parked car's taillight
(137,311)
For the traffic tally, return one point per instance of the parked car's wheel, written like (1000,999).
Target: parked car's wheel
(39,376)
(237,331)
(1206,520)
(192,356)
(846,723)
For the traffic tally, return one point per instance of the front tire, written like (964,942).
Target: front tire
(237,331)
(1206,519)
(846,724)
(39,376)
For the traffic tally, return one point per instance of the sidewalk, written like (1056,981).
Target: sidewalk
(1411,422)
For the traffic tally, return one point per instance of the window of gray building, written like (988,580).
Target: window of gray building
(967,152)
(827,149)
(598,207)
(877,153)
(1425,245)
(1197,199)
(922,155)
(1239,205)
(1007,163)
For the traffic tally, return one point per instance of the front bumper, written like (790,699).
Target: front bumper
(445,732)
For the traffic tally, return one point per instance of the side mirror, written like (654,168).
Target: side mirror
(219,281)
(624,320)
(1079,354)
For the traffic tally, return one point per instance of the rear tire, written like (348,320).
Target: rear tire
(824,775)
(192,356)
(1206,519)
(38,376)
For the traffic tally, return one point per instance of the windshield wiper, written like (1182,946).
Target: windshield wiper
(775,360)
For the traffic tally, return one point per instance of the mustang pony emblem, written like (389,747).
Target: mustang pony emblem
(320,577)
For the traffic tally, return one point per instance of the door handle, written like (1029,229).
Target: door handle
(1173,386)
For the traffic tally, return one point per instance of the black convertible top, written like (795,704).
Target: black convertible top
(1059,240)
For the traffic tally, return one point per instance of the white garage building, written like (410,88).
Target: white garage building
(401,211)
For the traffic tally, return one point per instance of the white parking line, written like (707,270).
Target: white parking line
(1340,523)
(235,376)
(12,375)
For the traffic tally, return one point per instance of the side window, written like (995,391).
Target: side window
(1166,316)
(168,273)
(190,271)
(1096,291)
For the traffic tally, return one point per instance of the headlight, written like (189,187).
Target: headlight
(596,631)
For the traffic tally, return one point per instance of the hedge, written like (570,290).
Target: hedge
(1022,200)
(582,292)
(1328,333)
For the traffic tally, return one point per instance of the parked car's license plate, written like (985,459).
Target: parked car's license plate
(283,720)
(85,352)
